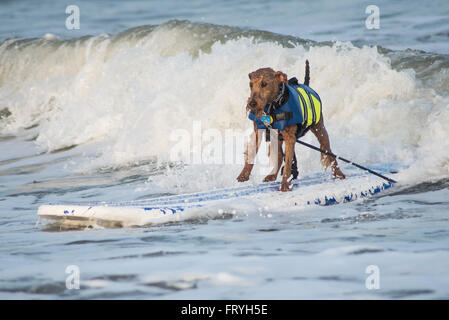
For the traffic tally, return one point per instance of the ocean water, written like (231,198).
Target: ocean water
(87,116)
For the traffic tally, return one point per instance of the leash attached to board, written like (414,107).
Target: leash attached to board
(345,160)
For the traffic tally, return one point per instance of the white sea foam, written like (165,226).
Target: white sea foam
(127,94)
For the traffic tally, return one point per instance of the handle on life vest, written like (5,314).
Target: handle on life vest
(345,160)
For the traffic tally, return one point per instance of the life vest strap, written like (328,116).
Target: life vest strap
(282,116)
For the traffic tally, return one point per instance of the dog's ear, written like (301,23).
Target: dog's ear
(250,75)
(282,77)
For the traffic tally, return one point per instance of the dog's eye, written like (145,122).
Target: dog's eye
(264,84)
(250,85)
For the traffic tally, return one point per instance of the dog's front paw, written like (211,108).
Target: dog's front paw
(269,178)
(285,186)
(243,177)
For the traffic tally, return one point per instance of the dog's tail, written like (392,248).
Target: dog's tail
(307,77)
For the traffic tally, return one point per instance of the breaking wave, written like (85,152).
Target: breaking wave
(124,94)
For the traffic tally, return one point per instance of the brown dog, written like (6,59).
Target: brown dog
(265,87)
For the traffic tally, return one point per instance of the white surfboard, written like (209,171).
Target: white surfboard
(318,189)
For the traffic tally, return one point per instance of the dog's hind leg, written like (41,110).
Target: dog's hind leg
(295,171)
(320,132)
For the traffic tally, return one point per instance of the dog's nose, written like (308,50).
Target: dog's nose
(253,103)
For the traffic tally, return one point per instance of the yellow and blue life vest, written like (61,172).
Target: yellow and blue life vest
(303,107)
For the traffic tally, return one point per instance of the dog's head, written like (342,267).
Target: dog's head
(264,84)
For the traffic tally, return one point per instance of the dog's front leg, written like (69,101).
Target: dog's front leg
(250,155)
(289,135)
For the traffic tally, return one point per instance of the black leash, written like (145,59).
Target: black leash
(345,160)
